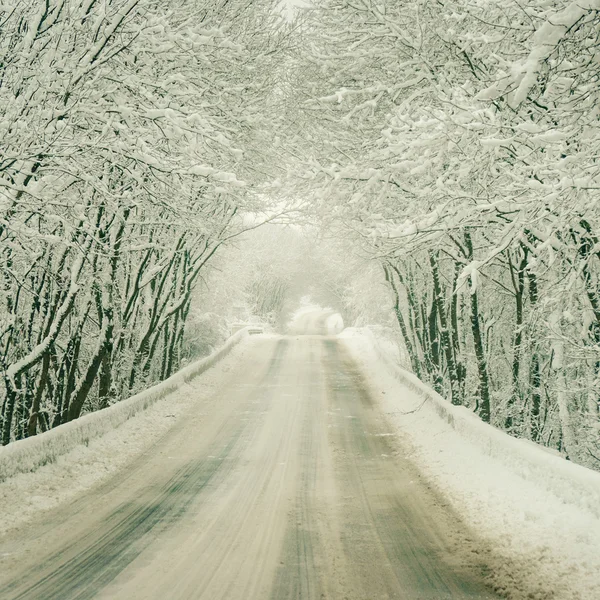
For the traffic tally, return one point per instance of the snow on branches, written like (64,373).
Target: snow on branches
(461,145)
(123,130)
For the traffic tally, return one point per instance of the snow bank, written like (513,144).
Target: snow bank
(307,307)
(537,515)
(334,324)
(27,455)
(568,481)
(313,318)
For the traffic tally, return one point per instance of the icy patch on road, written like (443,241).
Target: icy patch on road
(542,546)
(26,496)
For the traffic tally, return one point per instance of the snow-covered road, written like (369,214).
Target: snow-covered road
(290,484)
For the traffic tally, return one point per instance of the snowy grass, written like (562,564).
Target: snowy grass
(29,454)
(538,514)
(26,496)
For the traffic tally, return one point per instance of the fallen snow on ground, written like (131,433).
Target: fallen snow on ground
(311,316)
(306,307)
(540,547)
(25,496)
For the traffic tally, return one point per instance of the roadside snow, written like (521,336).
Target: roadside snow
(543,534)
(307,307)
(311,313)
(334,324)
(27,455)
(25,496)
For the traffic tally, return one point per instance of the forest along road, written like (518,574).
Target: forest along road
(290,486)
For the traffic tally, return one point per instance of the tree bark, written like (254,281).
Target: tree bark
(569,440)
(438,299)
(414,361)
(482,371)
(518,280)
(35,409)
(534,374)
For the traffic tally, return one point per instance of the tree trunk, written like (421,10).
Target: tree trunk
(438,299)
(518,281)
(105,379)
(85,385)
(535,375)
(461,370)
(9,409)
(588,248)
(569,440)
(71,360)
(35,409)
(484,382)
(414,361)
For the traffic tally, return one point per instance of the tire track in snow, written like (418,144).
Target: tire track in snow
(394,544)
(78,572)
(298,575)
(294,491)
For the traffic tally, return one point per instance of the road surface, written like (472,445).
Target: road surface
(291,486)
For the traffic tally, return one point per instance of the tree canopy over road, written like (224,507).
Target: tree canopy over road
(452,146)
